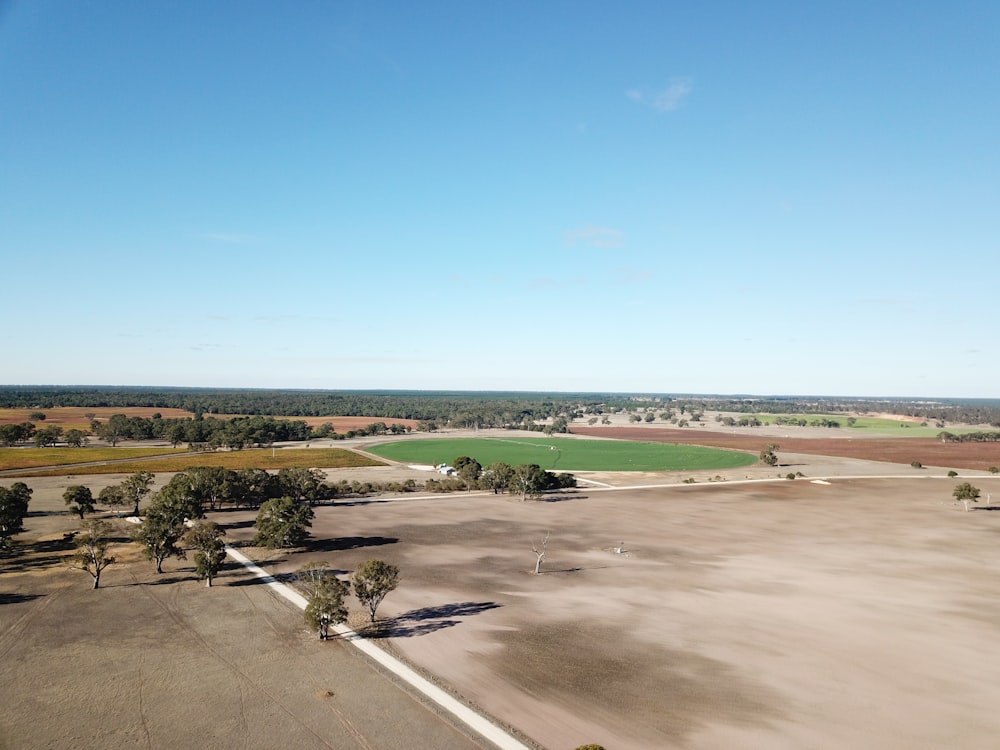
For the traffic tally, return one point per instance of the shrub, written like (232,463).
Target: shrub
(789,475)
(952,473)
(916,464)
(994,470)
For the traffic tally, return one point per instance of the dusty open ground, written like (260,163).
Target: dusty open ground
(862,613)
(162,662)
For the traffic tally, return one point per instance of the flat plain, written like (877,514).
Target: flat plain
(565,454)
(779,614)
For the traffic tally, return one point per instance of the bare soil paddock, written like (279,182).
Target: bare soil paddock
(162,662)
(858,614)
(928,451)
(778,615)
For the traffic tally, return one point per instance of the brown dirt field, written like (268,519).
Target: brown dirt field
(775,615)
(161,661)
(928,451)
(73,416)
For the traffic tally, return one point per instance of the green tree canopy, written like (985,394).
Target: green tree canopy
(205,538)
(80,499)
(13,508)
(282,522)
(373,581)
(325,594)
(92,549)
(966,493)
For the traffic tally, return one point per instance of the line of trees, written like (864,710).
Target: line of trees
(526,480)
(485,409)
(371,583)
(200,432)
(969,437)
(496,409)
(49,435)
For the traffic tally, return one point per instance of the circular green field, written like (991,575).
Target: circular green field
(565,454)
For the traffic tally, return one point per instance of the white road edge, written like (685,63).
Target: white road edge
(478,723)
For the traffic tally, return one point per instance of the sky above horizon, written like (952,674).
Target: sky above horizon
(726,197)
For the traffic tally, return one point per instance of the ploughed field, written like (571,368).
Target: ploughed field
(928,451)
(777,614)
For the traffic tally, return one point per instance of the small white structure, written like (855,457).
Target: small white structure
(445,469)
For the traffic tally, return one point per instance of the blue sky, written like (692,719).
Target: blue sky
(722,197)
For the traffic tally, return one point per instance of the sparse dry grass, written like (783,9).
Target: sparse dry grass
(263,458)
(26,458)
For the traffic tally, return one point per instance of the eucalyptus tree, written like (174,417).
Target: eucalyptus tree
(92,549)
(136,487)
(205,538)
(80,499)
(13,508)
(373,581)
(282,522)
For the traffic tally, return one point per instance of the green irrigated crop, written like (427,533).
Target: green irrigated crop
(566,454)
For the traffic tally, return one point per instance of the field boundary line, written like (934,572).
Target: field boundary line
(472,719)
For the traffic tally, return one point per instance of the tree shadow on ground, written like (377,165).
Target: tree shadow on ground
(40,554)
(254,581)
(426,620)
(18,598)
(239,524)
(349,542)
(163,580)
(560,498)
(47,546)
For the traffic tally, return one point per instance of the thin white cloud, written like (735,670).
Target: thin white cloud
(595,236)
(886,301)
(549,282)
(230,238)
(629,275)
(663,100)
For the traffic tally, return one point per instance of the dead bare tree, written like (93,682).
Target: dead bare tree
(540,553)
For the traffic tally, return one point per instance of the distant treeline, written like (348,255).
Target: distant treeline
(475,409)
(485,409)
(970,437)
(198,431)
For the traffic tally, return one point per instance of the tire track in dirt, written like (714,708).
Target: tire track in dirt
(461,711)
(142,708)
(11,636)
(344,720)
(246,679)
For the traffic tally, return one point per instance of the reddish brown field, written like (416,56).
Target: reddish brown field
(74,416)
(928,451)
